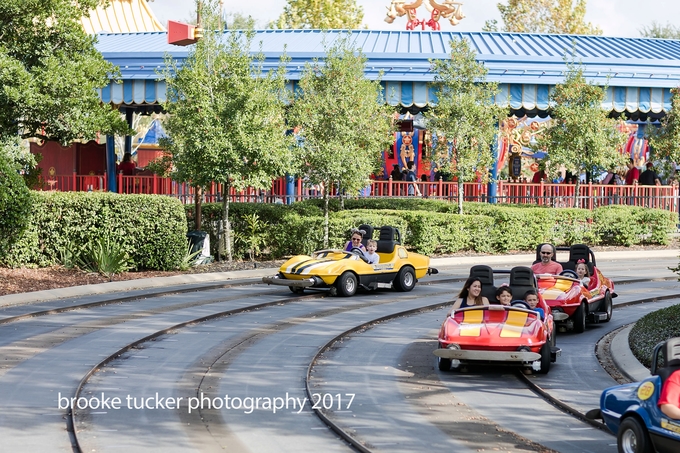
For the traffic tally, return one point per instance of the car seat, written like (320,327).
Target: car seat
(521,280)
(671,354)
(485,275)
(389,237)
(579,252)
(369,233)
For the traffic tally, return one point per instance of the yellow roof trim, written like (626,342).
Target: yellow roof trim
(122,16)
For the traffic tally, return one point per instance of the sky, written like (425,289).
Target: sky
(621,18)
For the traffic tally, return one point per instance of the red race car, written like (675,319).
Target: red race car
(497,334)
(572,303)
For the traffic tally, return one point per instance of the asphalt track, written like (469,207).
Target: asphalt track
(265,352)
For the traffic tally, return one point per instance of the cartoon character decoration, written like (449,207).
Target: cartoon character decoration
(637,146)
(406,151)
(516,136)
(448,9)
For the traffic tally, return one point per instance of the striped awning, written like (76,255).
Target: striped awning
(134,92)
(532,97)
(528,97)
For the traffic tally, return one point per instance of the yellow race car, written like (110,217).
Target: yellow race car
(344,272)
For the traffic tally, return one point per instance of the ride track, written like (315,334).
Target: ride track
(253,333)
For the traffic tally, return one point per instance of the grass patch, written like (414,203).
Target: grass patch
(652,329)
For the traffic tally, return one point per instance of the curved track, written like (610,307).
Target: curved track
(221,349)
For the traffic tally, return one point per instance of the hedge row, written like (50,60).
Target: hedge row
(151,228)
(432,226)
(652,329)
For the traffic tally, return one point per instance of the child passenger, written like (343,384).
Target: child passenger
(583,273)
(531,298)
(504,295)
(371,256)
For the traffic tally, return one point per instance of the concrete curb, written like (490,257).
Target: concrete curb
(624,359)
(185,279)
(528,258)
(129,285)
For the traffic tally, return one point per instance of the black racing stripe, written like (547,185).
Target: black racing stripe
(298,270)
(294,269)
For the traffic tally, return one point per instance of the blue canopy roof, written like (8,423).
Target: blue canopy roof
(638,71)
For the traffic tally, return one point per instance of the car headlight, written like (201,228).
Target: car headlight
(524,349)
(453,346)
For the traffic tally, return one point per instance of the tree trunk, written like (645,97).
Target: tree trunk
(577,190)
(197,208)
(325,219)
(225,220)
(460,196)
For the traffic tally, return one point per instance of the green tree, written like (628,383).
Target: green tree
(15,198)
(226,116)
(238,21)
(657,30)
(665,141)
(544,16)
(580,137)
(344,127)
(465,119)
(320,14)
(50,73)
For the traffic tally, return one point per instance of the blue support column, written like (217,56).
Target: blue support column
(128,139)
(493,174)
(111,163)
(290,189)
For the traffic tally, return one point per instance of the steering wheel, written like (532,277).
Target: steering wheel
(520,304)
(569,273)
(358,252)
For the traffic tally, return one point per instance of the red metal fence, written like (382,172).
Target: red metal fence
(555,195)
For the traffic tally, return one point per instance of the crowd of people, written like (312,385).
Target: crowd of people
(631,176)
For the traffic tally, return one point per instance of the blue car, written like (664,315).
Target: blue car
(630,411)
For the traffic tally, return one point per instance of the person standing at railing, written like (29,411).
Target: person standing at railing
(127,167)
(539,177)
(395,173)
(633,174)
(649,177)
(411,178)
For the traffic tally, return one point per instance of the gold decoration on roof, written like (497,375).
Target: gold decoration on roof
(122,16)
(448,9)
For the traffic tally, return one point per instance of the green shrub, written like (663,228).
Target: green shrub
(15,203)
(629,225)
(104,257)
(433,226)
(150,229)
(652,329)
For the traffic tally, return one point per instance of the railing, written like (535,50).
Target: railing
(590,196)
